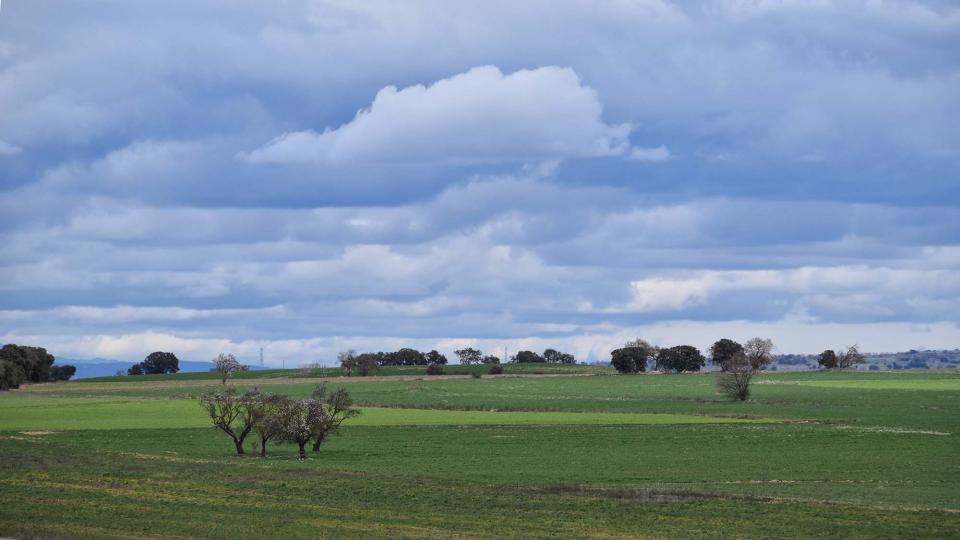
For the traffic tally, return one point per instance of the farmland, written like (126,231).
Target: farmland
(567,453)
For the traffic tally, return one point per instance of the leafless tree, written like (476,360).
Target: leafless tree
(850,357)
(266,412)
(348,361)
(735,381)
(226,364)
(338,406)
(759,352)
(232,412)
(298,421)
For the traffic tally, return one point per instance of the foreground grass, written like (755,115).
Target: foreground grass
(428,482)
(858,455)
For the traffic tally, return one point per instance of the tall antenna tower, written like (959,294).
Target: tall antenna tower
(261,356)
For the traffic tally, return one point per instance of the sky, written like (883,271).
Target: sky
(311,176)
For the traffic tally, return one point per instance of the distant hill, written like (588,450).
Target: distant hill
(103,367)
(882,361)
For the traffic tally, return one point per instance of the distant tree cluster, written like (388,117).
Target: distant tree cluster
(364,363)
(633,356)
(830,359)
(278,417)
(156,363)
(21,364)
(470,356)
(738,363)
(549,356)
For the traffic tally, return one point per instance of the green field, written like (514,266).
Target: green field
(583,454)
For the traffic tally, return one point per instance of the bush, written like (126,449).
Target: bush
(62,373)
(496,369)
(475,375)
(435,369)
(735,384)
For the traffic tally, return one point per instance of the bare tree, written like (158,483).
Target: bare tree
(232,413)
(759,352)
(298,421)
(339,407)
(226,364)
(266,412)
(348,361)
(734,382)
(850,357)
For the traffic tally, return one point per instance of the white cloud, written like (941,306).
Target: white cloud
(852,288)
(479,116)
(789,336)
(656,155)
(7,149)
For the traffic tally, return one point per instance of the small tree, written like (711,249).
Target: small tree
(491,359)
(62,373)
(850,357)
(266,414)
(160,362)
(469,356)
(11,375)
(232,413)
(339,407)
(556,357)
(759,352)
(527,357)
(827,359)
(298,421)
(435,359)
(225,364)
(724,352)
(734,381)
(633,356)
(680,358)
(367,362)
(136,369)
(348,361)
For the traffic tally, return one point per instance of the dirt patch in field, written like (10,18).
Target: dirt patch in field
(36,432)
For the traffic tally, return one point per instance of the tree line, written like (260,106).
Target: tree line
(365,363)
(279,418)
(21,364)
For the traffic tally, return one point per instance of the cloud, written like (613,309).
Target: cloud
(515,203)
(7,149)
(655,155)
(479,116)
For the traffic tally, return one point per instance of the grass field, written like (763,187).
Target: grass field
(860,455)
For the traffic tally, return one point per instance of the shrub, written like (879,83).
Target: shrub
(496,369)
(435,369)
(735,384)
(475,375)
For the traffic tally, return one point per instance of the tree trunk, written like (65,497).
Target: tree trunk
(303,453)
(263,447)
(239,445)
